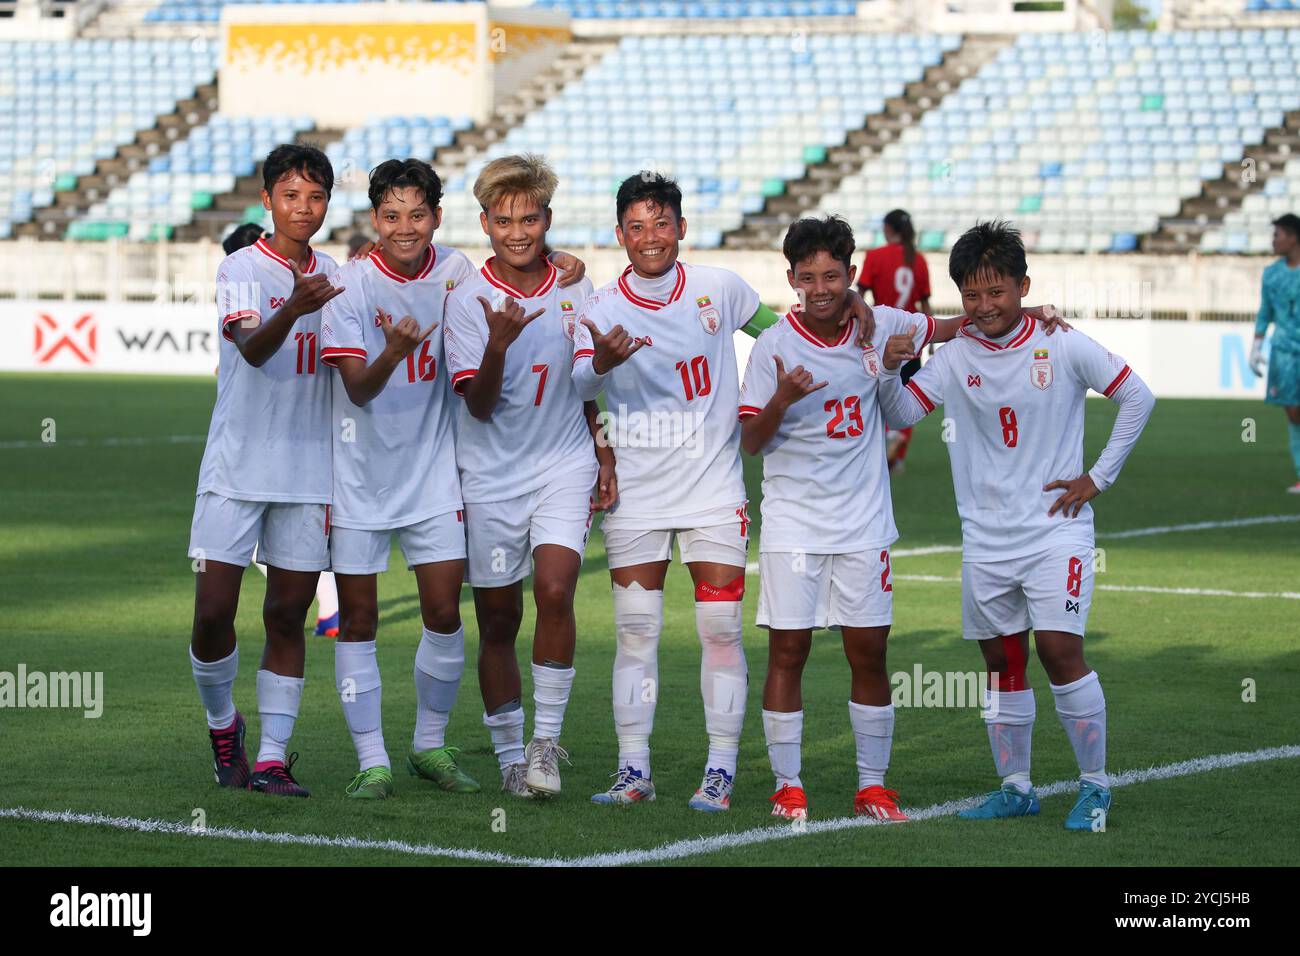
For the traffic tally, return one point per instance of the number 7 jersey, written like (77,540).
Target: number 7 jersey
(394,458)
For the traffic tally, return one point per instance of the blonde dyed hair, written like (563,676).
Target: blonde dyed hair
(528,176)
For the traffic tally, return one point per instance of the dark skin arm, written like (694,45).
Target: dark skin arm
(607,479)
(363,382)
(483,391)
(258,343)
(757,430)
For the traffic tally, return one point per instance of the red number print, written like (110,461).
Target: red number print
(1010,430)
(541,382)
(885,583)
(306,352)
(422,368)
(695,377)
(852,406)
(1074,577)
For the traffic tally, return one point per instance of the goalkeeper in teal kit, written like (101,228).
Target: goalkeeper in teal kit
(1280,306)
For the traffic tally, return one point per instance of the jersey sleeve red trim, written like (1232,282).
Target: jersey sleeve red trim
(460,378)
(748,411)
(930,327)
(331,356)
(920,397)
(583,353)
(238,317)
(1120,379)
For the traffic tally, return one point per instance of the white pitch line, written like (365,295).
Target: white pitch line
(677,850)
(1138,588)
(107,442)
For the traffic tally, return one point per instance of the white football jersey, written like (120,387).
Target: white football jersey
(537,431)
(269,437)
(671,407)
(394,459)
(825,471)
(1016,409)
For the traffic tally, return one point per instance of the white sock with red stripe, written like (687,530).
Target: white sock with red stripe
(278,698)
(216,683)
(873,736)
(1010,719)
(784,733)
(638,620)
(724,677)
(356,674)
(1082,709)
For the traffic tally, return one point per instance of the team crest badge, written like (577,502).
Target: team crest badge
(708,315)
(1040,374)
(570,319)
(871,361)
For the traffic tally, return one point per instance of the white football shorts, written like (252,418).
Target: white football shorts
(1048,591)
(720,536)
(799,591)
(440,538)
(291,535)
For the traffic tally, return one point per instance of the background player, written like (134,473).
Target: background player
(527,464)
(659,342)
(265,478)
(1017,410)
(1279,305)
(395,471)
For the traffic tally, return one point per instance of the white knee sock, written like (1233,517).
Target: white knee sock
(1082,709)
(551,687)
(638,620)
(278,698)
(216,683)
(507,732)
(784,733)
(439,664)
(1010,719)
(873,734)
(724,679)
(356,674)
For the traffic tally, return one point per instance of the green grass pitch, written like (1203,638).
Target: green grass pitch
(95,578)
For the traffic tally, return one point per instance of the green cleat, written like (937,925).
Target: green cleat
(375,783)
(439,765)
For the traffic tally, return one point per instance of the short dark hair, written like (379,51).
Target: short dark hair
(807,237)
(993,247)
(654,188)
(295,157)
(241,236)
(1290,222)
(404,174)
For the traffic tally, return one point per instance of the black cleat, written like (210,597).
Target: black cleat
(229,762)
(278,780)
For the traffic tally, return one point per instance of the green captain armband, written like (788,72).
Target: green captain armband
(764,318)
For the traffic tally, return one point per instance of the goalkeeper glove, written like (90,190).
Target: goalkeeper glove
(1257,356)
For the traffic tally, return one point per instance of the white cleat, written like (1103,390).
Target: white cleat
(714,795)
(629,787)
(512,781)
(543,756)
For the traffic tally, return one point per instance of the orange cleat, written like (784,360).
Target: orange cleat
(876,801)
(790,802)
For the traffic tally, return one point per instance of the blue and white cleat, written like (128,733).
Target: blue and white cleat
(328,626)
(714,795)
(1000,804)
(1091,810)
(629,787)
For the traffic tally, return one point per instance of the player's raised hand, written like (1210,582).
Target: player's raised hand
(899,349)
(1049,317)
(572,269)
(794,384)
(405,336)
(506,323)
(855,307)
(1077,493)
(613,348)
(309,293)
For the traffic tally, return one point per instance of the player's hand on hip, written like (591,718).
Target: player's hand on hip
(899,349)
(1257,362)
(1077,494)
(506,322)
(309,293)
(612,348)
(1049,317)
(405,336)
(794,384)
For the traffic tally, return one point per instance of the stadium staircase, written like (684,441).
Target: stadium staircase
(761,230)
(51,222)
(1205,211)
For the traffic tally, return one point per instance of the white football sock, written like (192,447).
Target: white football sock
(1082,709)
(327,596)
(873,735)
(439,664)
(278,698)
(551,687)
(507,732)
(784,733)
(1010,719)
(216,683)
(638,620)
(356,675)
(724,680)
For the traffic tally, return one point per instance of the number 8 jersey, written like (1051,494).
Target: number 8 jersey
(394,458)
(670,409)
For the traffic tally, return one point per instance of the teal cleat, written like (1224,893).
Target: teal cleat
(1000,804)
(1091,810)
